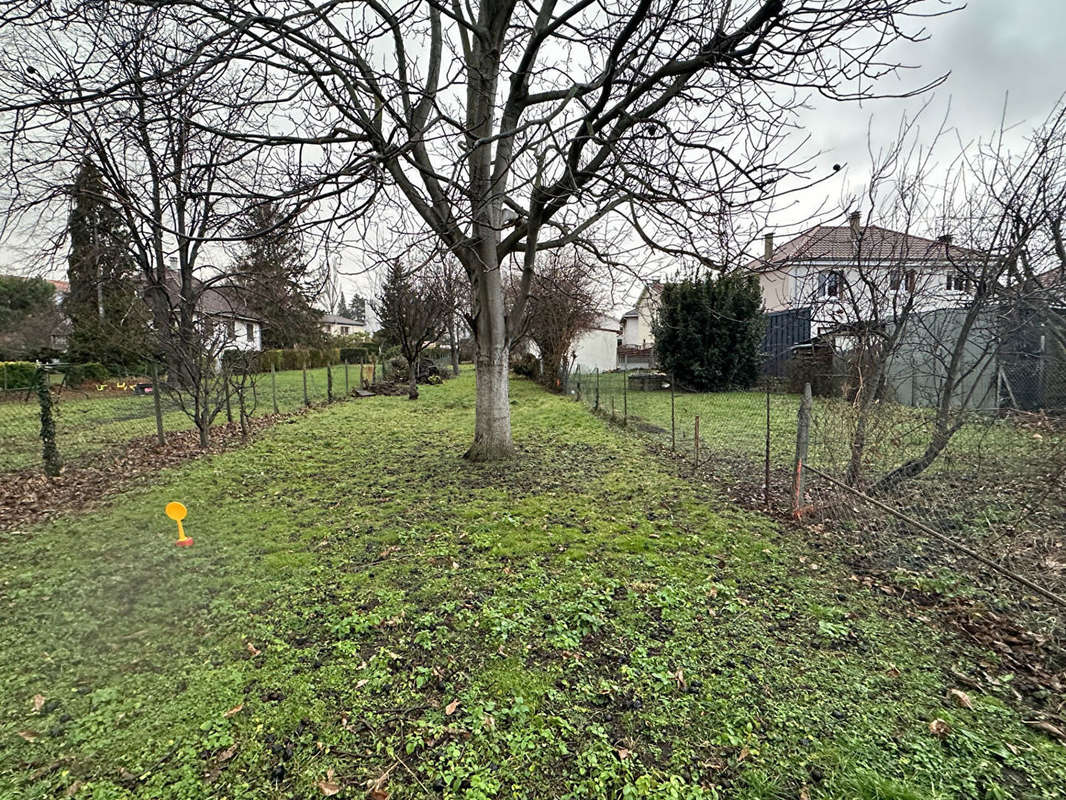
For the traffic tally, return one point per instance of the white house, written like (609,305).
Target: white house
(637,322)
(336,325)
(597,348)
(221,305)
(853,273)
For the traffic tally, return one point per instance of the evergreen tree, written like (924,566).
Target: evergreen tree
(708,331)
(342,307)
(277,279)
(108,317)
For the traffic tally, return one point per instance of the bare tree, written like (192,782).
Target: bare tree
(937,285)
(563,302)
(511,129)
(413,310)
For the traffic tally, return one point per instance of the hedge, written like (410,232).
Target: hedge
(17,374)
(90,372)
(287,359)
(355,355)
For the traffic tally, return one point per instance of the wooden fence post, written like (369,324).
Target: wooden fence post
(625,397)
(803,436)
(158,405)
(274,387)
(347,390)
(329,383)
(696,442)
(673,419)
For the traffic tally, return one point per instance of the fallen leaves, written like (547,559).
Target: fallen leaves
(961,698)
(235,710)
(939,728)
(450,708)
(329,786)
(38,702)
(1052,730)
(251,648)
(29,736)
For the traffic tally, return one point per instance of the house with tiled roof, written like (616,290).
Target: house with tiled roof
(855,273)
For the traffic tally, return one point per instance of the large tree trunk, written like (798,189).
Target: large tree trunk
(492,421)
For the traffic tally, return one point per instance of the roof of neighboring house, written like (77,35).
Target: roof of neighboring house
(631,313)
(60,286)
(337,319)
(214,299)
(839,243)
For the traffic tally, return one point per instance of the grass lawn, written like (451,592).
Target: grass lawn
(734,423)
(88,422)
(362,606)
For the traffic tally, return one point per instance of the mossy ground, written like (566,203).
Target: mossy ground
(362,605)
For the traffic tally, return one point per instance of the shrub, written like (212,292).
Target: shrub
(708,331)
(90,372)
(355,355)
(527,366)
(17,374)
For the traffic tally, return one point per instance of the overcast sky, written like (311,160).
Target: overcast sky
(996,51)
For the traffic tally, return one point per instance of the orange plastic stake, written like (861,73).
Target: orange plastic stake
(176,511)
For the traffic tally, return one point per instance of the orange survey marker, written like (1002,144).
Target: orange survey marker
(176,511)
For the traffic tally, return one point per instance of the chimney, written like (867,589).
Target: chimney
(944,238)
(856,222)
(768,247)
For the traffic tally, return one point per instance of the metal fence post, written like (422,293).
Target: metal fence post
(307,402)
(347,390)
(596,407)
(673,418)
(158,405)
(49,451)
(696,442)
(766,470)
(274,387)
(803,435)
(625,397)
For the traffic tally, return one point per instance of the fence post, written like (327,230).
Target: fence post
(612,406)
(673,419)
(803,436)
(329,383)
(347,390)
(766,470)
(229,410)
(158,405)
(597,406)
(696,442)
(625,397)
(49,451)
(307,402)
(373,370)
(274,387)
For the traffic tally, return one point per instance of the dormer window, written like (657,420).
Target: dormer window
(831,283)
(956,281)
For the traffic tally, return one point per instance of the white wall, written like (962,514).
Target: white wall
(866,293)
(596,349)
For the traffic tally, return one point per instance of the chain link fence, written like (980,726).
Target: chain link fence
(956,503)
(84,421)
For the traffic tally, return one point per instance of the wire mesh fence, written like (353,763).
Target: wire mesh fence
(937,499)
(98,416)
